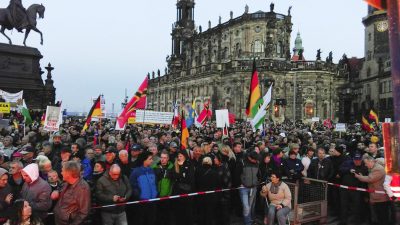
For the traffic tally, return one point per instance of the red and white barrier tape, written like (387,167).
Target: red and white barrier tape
(168,197)
(357,188)
(396,191)
(171,197)
(218,191)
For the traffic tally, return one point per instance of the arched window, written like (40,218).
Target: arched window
(237,49)
(279,48)
(368,71)
(226,53)
(258,46)
(368,89)
(228,90)
(214,56)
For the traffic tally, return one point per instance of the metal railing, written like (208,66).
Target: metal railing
(309,201)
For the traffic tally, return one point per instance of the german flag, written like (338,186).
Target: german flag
(366,125)
(184,133)
(253,101)
(374,116)
(94,111)
(138,101)
(379,4)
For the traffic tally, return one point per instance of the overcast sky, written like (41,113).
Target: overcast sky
(99,46)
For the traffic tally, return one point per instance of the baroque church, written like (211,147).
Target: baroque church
(215,64)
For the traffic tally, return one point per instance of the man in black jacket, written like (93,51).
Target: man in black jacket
(239,155)
(320,167)
(350,199)
(337,158)
(224,175)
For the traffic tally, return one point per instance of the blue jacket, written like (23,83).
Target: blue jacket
(143,181)
(87,169)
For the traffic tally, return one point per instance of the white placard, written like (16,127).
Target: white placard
(340,127)
(388,120)
(53,118)
(15,99)
(153,117)
(315,119)
(222,117)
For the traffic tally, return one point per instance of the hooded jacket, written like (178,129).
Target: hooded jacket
(143,181)
(164,176)
(37,193)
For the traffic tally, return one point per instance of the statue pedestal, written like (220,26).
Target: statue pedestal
(20,70)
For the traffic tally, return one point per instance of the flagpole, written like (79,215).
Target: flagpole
(144,113)
(24,127)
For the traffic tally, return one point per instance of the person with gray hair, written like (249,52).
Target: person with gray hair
(380,203)
(123,162)
(113,188)
(74,202)
(15,179)
(154,150)
(8,148)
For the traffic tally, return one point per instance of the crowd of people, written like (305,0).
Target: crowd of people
(85,177)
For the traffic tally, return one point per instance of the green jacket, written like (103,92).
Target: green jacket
(164,178)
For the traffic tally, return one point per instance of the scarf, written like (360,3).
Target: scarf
(275,187)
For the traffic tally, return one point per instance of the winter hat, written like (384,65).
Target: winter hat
(32,170)
(2,172)
(357,156)
(277,151)
(374,139)
(184,153)
(339,149)
(254,155)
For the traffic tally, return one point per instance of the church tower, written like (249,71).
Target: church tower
(375,81)
(298,48)
(182,30)
(376,38)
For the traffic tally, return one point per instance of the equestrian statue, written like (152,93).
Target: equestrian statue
(16,16)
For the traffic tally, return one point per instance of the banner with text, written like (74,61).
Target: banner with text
(53,118)
(340,127)
(153,117)
(4,107)
(15,99)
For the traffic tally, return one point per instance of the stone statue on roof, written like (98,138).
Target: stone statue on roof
(318,54)
(246,9)
(271,7)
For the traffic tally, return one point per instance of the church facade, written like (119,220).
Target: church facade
(215,64)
